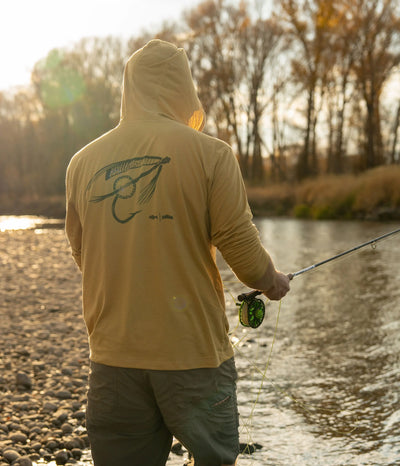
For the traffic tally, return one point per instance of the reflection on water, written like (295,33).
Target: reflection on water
(331,393)
(27,222)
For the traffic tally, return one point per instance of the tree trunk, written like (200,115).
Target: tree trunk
(303,163)
(393,158)
(373,148)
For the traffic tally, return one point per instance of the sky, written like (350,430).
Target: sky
(29,29)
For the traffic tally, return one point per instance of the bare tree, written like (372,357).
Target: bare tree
(230,48)
(343,46)
(394,154)
(311,25)
(377,23)
(212,47)
(19,142)
(259,41)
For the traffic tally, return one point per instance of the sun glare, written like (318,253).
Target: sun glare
(17,223)
(32,29)
(27,222)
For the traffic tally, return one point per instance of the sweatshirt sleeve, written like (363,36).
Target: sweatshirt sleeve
(73,227)
(232,229)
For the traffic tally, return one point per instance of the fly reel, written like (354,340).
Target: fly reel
(251,309)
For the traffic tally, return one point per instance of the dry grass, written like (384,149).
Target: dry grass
(274,199)
(373,194)
(379,188)
(326,197)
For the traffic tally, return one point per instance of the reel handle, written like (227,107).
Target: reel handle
(247,296)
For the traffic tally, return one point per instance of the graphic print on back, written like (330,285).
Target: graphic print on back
(121,182)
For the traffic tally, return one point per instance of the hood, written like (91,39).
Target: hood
(158,82)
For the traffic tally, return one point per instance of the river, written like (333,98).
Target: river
(331,391)
(319,380)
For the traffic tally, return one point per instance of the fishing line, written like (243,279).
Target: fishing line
(247,426)
(313,413)
(252,313)
(303,406)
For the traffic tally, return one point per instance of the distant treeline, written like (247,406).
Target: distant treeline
(303,91)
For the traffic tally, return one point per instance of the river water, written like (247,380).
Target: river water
(319,381)
(331,392)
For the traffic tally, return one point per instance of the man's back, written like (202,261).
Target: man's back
(148,203)
(149,275)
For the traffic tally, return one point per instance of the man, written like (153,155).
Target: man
(148,203)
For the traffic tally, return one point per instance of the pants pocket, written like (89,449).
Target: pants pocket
(102,394)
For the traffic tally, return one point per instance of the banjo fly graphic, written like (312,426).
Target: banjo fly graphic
(125,185)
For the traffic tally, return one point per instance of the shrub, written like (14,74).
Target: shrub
(302,211)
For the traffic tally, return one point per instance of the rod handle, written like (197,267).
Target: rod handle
(253,294)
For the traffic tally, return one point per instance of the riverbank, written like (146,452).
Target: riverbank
(372,195)
(49,206)
(44,355)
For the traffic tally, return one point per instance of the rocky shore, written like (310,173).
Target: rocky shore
(43,353)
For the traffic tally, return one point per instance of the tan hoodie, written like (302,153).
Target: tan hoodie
(147,204)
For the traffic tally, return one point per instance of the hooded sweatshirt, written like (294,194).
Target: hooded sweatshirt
(148,203)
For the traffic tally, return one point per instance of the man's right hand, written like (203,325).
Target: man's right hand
(280,287)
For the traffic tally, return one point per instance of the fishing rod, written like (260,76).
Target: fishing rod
(367,243)
(252,310)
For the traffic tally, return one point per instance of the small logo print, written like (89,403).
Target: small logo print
(160,217)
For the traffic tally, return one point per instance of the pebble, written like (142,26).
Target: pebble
(11,455)
(18,437)
(23,381)
(77,453)
(23,461)
(62,456)
(178,449)
(52,444)
(74,443)
(61,415)
(49,407)
(67,428)
(36,446)
(63,394)
(38,366)
(80,415)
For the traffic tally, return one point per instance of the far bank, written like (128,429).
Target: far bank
(372,195)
